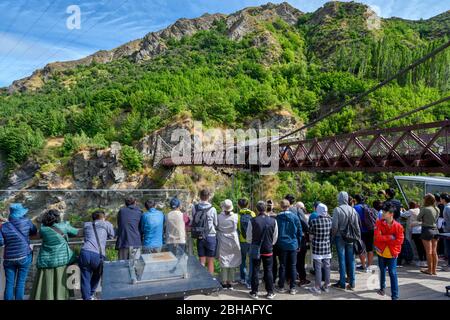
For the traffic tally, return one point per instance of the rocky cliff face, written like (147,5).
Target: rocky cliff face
(239,24)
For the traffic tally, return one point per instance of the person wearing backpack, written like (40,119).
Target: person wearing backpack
(262,234)
(203,228)
(388,239)
(93,253)
(244,217)
(368,220)
(346,232)
(54,257)
(15,237)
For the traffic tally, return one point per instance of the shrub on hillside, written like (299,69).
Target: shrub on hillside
(131,159)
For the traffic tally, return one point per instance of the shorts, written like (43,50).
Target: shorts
(207,247)
(429,233)
(367,238)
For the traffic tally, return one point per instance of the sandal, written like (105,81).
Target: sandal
(426,272)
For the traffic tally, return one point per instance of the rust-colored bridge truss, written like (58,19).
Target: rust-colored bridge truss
(414,149)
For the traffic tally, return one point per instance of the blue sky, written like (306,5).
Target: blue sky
(34,32)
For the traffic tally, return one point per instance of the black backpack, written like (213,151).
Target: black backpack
(350,233)
(199,226)
(370,217)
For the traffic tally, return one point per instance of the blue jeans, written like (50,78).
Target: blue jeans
(245,252)
(391,263)
(288,262)
(91,271)
(346,259)
(16,272)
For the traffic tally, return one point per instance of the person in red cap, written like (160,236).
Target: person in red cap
(388,240)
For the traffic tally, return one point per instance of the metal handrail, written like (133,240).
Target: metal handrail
(38,243)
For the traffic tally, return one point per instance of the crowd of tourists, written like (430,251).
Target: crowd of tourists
(276,237)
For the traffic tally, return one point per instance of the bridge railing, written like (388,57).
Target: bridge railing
(416,148)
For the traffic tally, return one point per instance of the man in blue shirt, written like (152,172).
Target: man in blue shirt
(152,228)
(128,234)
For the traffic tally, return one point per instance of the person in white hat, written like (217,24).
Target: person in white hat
(228,248)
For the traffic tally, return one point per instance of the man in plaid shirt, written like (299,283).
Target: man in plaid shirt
(320,232)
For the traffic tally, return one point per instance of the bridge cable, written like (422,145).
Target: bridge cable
(374,88)
(33,44)
(47,60)
(432,104)
(28,30)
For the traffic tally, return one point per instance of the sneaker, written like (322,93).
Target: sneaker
(224,286)
(253,295)
(280,290)
(381,292)
(293,291)
(350,288)
(243,282)
(304,282)
(270,296)
(337,285)
(230,287)
(368,270)
(314,290)
(325,289)
(360,268)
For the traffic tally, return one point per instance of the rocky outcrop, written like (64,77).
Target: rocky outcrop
(101,167)
(22,176)
(282,120)
(239,24)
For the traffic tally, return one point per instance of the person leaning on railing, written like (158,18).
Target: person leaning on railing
(92,254)
(54,257)
(15,236)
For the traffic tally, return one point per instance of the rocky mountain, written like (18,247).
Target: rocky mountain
(105,121)
(239,24)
